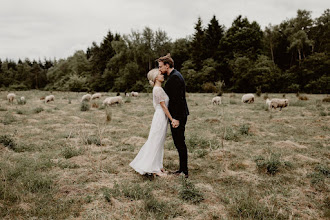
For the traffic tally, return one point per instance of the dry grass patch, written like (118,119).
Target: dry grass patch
(244,162)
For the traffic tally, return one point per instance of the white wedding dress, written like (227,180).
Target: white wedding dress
(150,157)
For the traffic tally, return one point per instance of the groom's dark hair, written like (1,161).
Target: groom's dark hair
(166,60)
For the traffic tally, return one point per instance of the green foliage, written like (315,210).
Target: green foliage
(271,165)
(244,129)
(38,110)
(84,106)
(92,139)
(289,57)
(7,141)
(188,192)
(69,152)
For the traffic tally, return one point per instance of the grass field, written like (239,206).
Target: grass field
(59,162)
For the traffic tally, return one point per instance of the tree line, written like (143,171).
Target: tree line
(290,57)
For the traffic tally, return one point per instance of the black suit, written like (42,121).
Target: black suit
(175,88)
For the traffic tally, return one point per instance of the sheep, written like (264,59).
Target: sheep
(216,100)
(96,96)
(278,103)
(86,97)
(113,100)
(268,103)
(49,98)
(126,94)
(248,98)
(136,94)
(11,97)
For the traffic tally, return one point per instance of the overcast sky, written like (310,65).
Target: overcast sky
(38,29)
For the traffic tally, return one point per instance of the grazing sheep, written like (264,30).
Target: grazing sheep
(248,98)
(49,98)
(134,94)
(126,94)
(22,98)
(113,100)
(268,102)
(86,97)
(278,103)
(96,96)
(11,97)
(216,100)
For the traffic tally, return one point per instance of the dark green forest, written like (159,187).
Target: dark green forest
(292,56)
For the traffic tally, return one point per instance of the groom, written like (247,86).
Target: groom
(175,88)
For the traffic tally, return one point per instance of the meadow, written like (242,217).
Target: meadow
(67,160)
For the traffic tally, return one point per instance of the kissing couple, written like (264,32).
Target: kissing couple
(170,106)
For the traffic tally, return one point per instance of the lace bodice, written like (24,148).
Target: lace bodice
(159,95)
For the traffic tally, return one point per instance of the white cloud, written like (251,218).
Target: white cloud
(45,28)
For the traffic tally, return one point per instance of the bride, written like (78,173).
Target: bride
(150,157)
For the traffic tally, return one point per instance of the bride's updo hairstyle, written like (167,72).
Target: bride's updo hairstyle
(152,75)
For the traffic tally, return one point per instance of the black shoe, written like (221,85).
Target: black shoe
(178,172)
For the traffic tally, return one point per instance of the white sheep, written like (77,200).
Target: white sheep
(278,103)
(86,97)
(11,97)
(126,94)
(96,96)
(49,98)
(134,94)
(216,100)
(248,98)
(113,100)
(268,103)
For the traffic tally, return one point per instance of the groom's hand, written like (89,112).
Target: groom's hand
(175,123)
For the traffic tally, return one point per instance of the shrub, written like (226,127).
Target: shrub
(84,106)
(108,114)
(244,129)
(21,102)
(92,139)
(188,192)
(69,152)
(258,92)
(38,110)
(7,141)
(230,135)
(271,165)
(8,119)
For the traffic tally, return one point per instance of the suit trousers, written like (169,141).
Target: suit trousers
(180,144)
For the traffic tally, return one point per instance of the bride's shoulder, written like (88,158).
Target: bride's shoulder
(158,88)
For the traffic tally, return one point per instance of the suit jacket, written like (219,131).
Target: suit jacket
(175,88)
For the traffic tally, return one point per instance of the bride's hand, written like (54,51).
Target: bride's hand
(175,123)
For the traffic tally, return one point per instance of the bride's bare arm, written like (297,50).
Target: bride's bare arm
(165,109)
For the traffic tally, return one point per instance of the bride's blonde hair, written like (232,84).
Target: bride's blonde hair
(152,75)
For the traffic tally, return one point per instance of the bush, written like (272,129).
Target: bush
(271,165)
(93,140)
(21,102)
(188,192)
(38,110)
(69,152)
(244,129)
(7,141)
(84,106)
